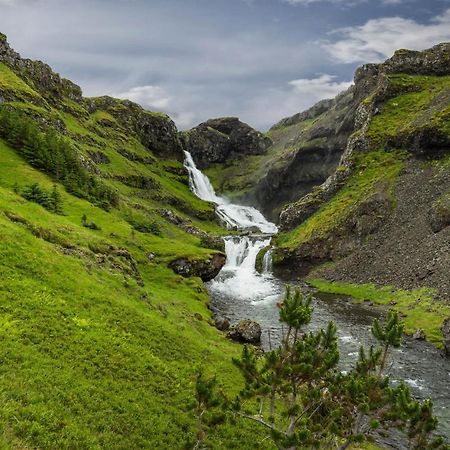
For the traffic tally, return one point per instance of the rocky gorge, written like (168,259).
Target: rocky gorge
(368,173)
(350,197)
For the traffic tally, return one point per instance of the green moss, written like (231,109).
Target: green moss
(420,307)
(422,101)
(371,169)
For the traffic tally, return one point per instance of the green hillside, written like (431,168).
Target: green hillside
(100,339)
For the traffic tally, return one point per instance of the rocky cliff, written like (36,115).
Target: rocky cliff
(382,216)
(219,140)
(35,83)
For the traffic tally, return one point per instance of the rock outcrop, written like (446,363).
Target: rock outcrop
(206,269)
(371,90)
(156,131)
(370,221)
(446,334)
(217,140)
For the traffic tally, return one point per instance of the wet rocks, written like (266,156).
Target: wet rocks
(246,332)
(205,269)
(446,333)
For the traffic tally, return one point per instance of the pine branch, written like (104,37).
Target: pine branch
(260,421)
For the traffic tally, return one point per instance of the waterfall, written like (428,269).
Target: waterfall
(238,278)
(242,251)
(199,183)
(235,216)
(267,261)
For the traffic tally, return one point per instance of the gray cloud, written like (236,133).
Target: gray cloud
(339,2)
(256,59)
(379,38)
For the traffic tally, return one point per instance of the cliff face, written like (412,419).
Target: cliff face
(420,129)
(375,218)
(219,140)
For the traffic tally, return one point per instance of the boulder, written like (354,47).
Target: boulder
(222,323)
(246,331)
(419,335)
(205,269)
(446,333)
(439,214)
(217,140)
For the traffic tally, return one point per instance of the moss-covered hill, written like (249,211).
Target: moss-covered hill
(100,339)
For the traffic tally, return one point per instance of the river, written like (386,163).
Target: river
(240,292)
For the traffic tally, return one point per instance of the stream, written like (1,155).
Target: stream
(240,292)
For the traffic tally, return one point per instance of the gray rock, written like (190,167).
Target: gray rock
(439,214)
(222,323)
(419,335)
(205,269)
(217,140)
(246,331)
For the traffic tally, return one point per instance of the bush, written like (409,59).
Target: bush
(87,224)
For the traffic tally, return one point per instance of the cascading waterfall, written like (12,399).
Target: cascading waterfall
(235,216)
(239,277)
(239,291)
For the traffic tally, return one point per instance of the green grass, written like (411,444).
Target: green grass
(422,101)
(100,350)
(89,358)
(94,355)
(420,307)
(10,82)
(373,169)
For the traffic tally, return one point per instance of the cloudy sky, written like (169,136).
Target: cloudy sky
(260,60)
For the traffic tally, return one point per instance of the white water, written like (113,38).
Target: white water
(239,291)
(267,261)
(235,216)
(238,278)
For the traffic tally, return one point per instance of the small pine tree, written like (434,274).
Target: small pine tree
(297,392)
(55,201)
(34,193)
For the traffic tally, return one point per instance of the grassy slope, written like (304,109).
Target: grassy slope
(425,103)
(375,169)
(89,357)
